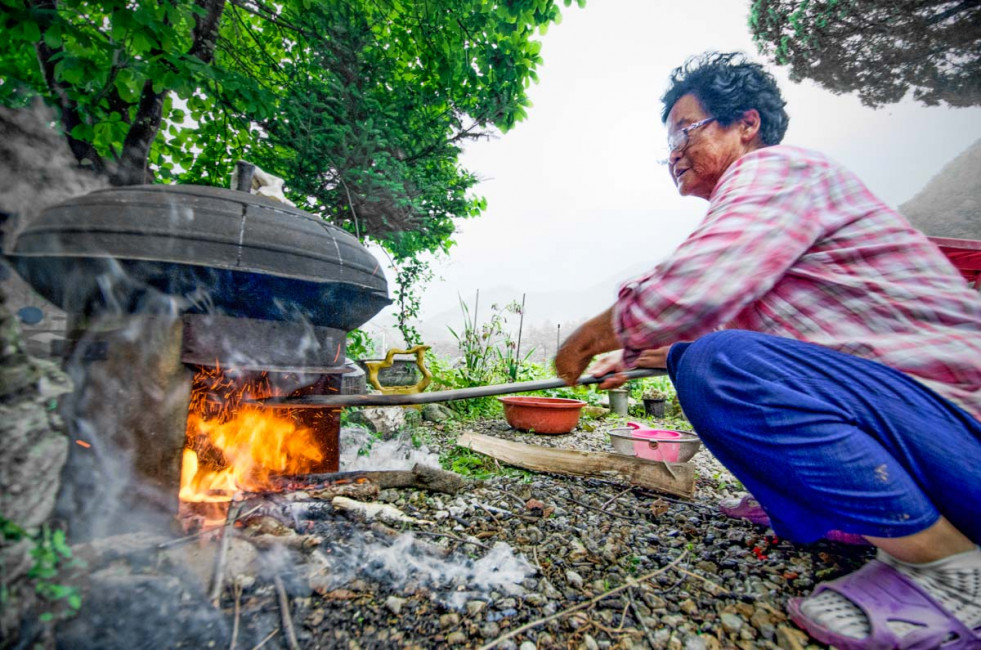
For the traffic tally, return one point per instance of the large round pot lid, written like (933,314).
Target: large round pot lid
(211,248)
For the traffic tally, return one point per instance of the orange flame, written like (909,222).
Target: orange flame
(233,447)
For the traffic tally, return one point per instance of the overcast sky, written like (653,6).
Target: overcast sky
(575,194)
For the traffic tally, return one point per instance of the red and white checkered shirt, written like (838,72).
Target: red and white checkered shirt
(795,245)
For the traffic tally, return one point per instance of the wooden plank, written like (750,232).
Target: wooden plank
(671,478)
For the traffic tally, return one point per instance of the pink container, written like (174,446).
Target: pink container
(655,443)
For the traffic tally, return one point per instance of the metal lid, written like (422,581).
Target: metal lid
(243,254)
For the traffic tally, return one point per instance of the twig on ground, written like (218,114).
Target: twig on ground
(586,505)
(615,497)
(631,582)
(640,620)
(203,531)
(719,589)
(623,615)
(266,640)
(237,588)
(488,511)
(454,537)
(521,502)
(284,609)
(226,533)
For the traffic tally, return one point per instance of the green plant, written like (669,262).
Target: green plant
(360,345)
(52,558)
(411,276)
(657,388)
(467,463)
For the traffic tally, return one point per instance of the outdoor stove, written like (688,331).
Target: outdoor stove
(184,302)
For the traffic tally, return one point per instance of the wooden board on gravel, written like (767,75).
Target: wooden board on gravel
(672,478)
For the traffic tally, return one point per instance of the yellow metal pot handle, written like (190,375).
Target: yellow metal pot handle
(374,366)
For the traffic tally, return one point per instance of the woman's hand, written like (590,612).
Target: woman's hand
(652,358)
(591,338)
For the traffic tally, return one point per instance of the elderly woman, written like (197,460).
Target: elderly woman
(825,351)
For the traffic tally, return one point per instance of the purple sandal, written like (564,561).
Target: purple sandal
(884,595)
(750,509)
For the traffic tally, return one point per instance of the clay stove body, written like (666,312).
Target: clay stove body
(165,282)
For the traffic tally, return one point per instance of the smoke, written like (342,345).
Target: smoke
(361,451)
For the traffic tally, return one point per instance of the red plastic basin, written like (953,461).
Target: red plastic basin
(542,414)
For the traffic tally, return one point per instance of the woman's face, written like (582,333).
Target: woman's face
(697,166)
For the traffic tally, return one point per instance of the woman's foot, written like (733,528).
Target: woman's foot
(875,607)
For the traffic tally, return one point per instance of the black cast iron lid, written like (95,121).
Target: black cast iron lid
(213,249)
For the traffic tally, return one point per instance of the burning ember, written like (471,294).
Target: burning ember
(235,447)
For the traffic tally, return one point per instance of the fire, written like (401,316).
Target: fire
(233,447)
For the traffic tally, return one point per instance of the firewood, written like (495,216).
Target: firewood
(421,477)
(382,511)
(673,478)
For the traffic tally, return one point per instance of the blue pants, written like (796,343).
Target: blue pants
(826,440)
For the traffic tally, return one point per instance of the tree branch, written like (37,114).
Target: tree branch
(47,56)
(205,34)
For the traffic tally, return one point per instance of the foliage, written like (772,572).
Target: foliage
(476,343)
(656,387)
(52,558)
(411,277)
(881,49)
(360,345)
(361,106)
(468,463)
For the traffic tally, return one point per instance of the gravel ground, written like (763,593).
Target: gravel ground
(564,562)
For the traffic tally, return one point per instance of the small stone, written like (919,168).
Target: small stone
(760,618)
(475,607)
(695,642)
(745,609)
(490,630)
(589,643)
(535,600)
(394,604)
(456,638)
(527,645)
(688,606)
(731,623)
(449,620)
(436,413)
(790,639)
(574,579)
(549,590)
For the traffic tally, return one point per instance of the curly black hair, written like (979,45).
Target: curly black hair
(728,85)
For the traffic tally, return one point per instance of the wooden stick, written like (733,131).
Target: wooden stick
(421,476)
(266,640)
(629,583)
(673,478)
(238,596)
(219,577)
(647,631)
(615,497)
(284,608)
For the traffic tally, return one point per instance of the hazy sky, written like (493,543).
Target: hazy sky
(575,194)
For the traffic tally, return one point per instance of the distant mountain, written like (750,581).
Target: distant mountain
(950,204)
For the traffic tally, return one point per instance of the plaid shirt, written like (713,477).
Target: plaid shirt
(795,245)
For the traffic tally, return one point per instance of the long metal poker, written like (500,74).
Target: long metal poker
(339,401)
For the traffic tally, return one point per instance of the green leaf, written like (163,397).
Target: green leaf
(52,37)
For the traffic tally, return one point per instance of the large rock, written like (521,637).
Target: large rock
(36,170)
(384,420)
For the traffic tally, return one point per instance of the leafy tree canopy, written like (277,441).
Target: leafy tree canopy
(361,105)
(881,49)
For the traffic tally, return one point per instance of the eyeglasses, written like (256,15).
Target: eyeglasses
(679,141)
